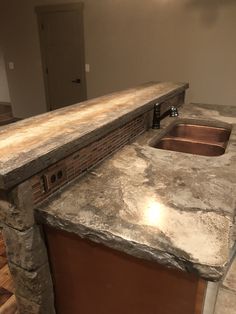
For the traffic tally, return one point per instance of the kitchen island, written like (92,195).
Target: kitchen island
(167,207)
(144,220)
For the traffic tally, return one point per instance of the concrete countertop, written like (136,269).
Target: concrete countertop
(33,144)
(173,208)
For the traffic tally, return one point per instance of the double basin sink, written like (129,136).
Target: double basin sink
(194,138)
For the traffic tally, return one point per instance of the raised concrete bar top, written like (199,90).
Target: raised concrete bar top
(33,144)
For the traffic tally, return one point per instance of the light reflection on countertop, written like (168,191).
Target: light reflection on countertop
(154,214)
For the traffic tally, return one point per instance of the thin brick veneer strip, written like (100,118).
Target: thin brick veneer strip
(87,157)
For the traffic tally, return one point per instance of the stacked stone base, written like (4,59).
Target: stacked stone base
(26,252)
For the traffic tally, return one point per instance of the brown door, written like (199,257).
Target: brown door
(62,47)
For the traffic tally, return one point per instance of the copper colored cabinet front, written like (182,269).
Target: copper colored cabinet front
(92,279)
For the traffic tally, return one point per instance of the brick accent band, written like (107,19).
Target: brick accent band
(76,164)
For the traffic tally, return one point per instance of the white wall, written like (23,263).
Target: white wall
(21,45)
(129,42)
(4,90)
(133,41)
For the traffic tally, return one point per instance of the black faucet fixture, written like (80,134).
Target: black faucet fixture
(157,116)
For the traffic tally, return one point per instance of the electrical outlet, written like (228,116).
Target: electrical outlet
(54,177)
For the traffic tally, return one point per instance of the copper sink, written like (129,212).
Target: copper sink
(200,133)
(185,146)
(195,139)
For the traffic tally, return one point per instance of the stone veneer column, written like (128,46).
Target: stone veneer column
(26,252)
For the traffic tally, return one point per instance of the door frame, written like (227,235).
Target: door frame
(39,10)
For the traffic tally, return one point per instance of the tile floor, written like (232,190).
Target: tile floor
(226,300)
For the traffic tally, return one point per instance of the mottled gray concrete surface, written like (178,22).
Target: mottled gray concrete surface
(33,144)
(173,208)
